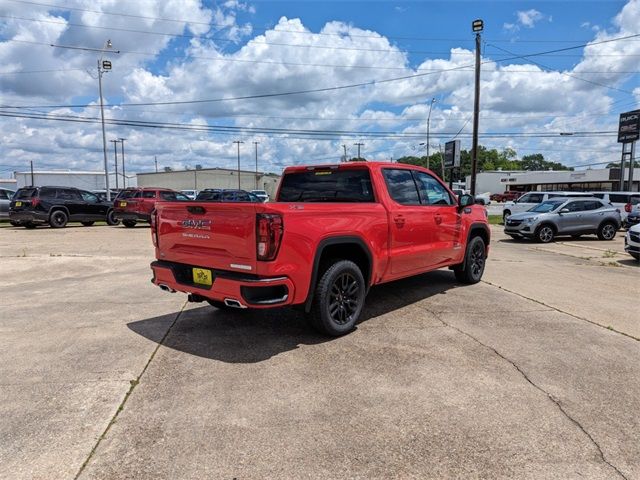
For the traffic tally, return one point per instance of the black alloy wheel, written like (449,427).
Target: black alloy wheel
(338,299)
(111,220)
(470,271)
(58,219)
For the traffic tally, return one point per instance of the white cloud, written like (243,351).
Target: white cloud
(527,19)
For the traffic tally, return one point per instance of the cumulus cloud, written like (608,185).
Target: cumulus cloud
(225,60)
(527,19)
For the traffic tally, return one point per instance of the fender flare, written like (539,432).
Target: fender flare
(337,240)
(58,207)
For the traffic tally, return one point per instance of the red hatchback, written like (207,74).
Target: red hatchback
(134,205)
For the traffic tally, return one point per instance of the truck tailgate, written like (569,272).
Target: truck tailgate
(209,234)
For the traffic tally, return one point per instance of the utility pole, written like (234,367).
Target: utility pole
(124,176)
(358,145)
(33,183)
(433,100)
(477,26)
(441,161)
(344,147)
(155,159)
(104,66)
(115,152)
(238,142)
(256,145)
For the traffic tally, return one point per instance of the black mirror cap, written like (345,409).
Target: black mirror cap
(466,201)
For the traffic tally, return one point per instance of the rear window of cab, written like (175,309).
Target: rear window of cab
(327,185)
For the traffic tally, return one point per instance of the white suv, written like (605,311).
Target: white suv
(531,199)
(632,242)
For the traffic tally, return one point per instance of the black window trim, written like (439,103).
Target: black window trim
(414,173)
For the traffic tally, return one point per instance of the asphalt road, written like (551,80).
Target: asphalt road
(531,374)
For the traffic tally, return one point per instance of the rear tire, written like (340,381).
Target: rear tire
(545,234)
(471,270)
(129,223)
(58,219)
(339,298)
(111,220)
(607,231)
(87,224)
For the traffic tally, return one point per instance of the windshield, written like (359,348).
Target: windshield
(545,207)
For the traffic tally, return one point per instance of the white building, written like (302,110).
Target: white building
(210,178)
(8,183)
(602,179)
(69,178)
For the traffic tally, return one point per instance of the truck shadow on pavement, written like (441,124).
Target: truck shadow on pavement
(250,336)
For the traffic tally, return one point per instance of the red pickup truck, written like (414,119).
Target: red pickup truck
(133,205)
(332,233)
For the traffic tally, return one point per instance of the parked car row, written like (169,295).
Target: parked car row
(56,206)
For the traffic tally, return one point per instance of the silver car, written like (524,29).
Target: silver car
(5,200)
(565,216)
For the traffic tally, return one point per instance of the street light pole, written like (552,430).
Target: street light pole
(115,152)
(477,26)
(124,176)
(238,142)
(101,70)
(256,144)
(433,100)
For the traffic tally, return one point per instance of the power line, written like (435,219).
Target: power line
(254,42)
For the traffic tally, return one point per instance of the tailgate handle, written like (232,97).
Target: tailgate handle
(196,210)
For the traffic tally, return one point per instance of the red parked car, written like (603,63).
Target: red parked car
(133,205)
(332,233)
(508,196)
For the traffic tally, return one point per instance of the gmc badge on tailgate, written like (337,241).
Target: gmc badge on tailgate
(196,224)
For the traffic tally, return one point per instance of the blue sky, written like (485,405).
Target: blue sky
(176,50)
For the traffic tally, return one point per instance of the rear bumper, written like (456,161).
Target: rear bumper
(138,217)
(28,216)
(249,290)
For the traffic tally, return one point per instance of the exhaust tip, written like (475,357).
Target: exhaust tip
(233,303)
(166,288)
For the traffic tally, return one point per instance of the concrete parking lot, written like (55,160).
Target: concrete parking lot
(533,373)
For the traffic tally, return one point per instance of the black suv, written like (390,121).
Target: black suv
(33,206)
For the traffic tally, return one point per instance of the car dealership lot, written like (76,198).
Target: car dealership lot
(531,373)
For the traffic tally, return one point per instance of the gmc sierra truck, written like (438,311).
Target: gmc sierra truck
(332,233)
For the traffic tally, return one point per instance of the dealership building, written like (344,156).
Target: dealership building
(604,179)
(201,178)
(87,180)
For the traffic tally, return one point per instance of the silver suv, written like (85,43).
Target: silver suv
(565,216)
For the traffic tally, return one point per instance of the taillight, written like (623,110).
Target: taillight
(269,229)
(627,207)
(154,227)
(35,201)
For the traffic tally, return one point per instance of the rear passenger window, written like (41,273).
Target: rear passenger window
(401,186)
(149,194)
(535,198)
(64,194)
(592,205)
(618,198)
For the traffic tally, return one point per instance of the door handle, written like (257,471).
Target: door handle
(399,220)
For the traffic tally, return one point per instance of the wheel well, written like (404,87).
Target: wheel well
(55,209)
(479,232)
(547,224)
(345,251)
(329,251)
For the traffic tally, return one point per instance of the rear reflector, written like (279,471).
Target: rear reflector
(269,230)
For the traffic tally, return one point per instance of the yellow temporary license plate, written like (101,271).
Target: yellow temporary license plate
(18,204)
(123,204)
(202,276)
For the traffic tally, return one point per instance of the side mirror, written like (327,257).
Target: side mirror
(564,210)
(465,201)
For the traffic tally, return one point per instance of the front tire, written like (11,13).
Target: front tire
(607,231)
(339,298)
(471,270)
(545,234)
(58,219)
(129,223)
(504,216)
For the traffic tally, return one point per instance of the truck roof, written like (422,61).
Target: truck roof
(331,166)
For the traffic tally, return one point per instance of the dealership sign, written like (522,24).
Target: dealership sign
(452,154)
(629,127)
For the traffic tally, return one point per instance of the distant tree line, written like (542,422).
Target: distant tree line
(488,159)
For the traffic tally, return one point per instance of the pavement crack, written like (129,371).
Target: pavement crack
(537,387)
(577,317)
(132,386)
